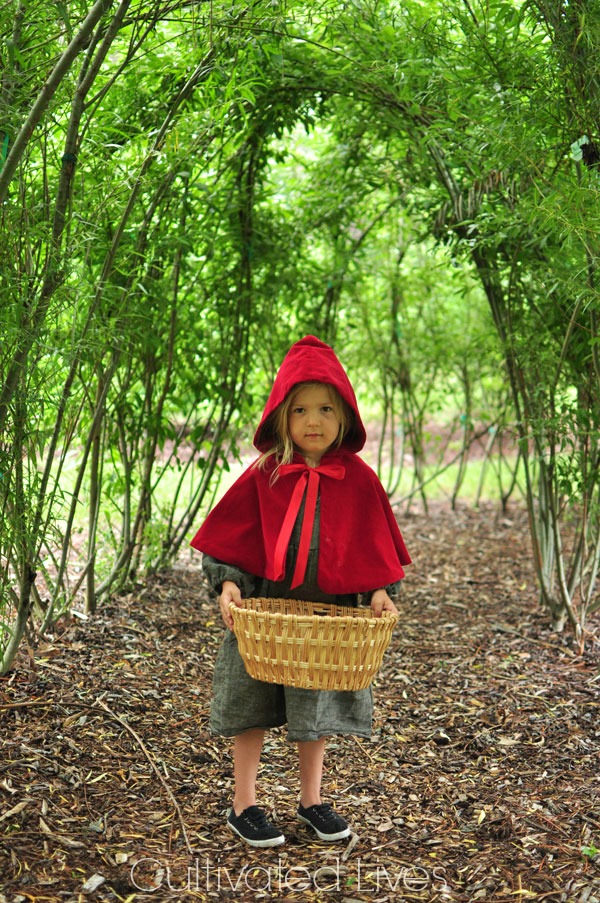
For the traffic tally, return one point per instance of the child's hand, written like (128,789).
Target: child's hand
(380,601)
(230,592)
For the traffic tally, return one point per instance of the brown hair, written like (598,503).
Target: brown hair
(276,425)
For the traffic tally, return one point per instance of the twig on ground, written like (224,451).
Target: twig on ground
(140,742)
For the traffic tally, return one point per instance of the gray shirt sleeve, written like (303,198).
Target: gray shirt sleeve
(216,572)
(393,591)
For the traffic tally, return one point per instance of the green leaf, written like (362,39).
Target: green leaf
(64,14)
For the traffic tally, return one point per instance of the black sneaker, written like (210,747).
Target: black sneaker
(253,826)
(327,824)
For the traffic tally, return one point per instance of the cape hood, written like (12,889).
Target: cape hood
(360,545)
(310,360)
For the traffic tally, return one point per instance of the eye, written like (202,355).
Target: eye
(327,409)
(297,410)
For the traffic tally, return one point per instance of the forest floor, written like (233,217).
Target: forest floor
(481,781)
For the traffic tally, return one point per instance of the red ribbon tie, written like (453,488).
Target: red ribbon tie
(308,482)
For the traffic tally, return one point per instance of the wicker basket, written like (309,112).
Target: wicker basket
(311,645)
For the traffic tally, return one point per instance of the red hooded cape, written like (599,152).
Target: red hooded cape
(360,545)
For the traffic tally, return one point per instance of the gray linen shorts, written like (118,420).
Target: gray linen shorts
(240,703)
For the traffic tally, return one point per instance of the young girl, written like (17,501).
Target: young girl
(307,520)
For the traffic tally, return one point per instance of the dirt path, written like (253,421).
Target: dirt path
(481,781)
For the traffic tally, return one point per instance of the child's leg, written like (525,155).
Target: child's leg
(311,754)
(247,748)
(327,824)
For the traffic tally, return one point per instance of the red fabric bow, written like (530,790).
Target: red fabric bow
(308,482)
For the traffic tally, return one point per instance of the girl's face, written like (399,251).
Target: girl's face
(313,423)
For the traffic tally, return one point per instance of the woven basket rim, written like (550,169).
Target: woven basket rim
(361,613)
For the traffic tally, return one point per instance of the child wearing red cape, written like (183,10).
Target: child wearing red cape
(308,519)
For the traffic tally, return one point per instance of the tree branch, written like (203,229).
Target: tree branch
(48,91)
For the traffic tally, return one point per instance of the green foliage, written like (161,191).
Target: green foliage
(590,851)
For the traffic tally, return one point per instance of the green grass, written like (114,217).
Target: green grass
(440,484)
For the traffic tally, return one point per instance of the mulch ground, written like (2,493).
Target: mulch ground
(481,780)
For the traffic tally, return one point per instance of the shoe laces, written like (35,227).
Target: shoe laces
(256,817)
(323,811)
